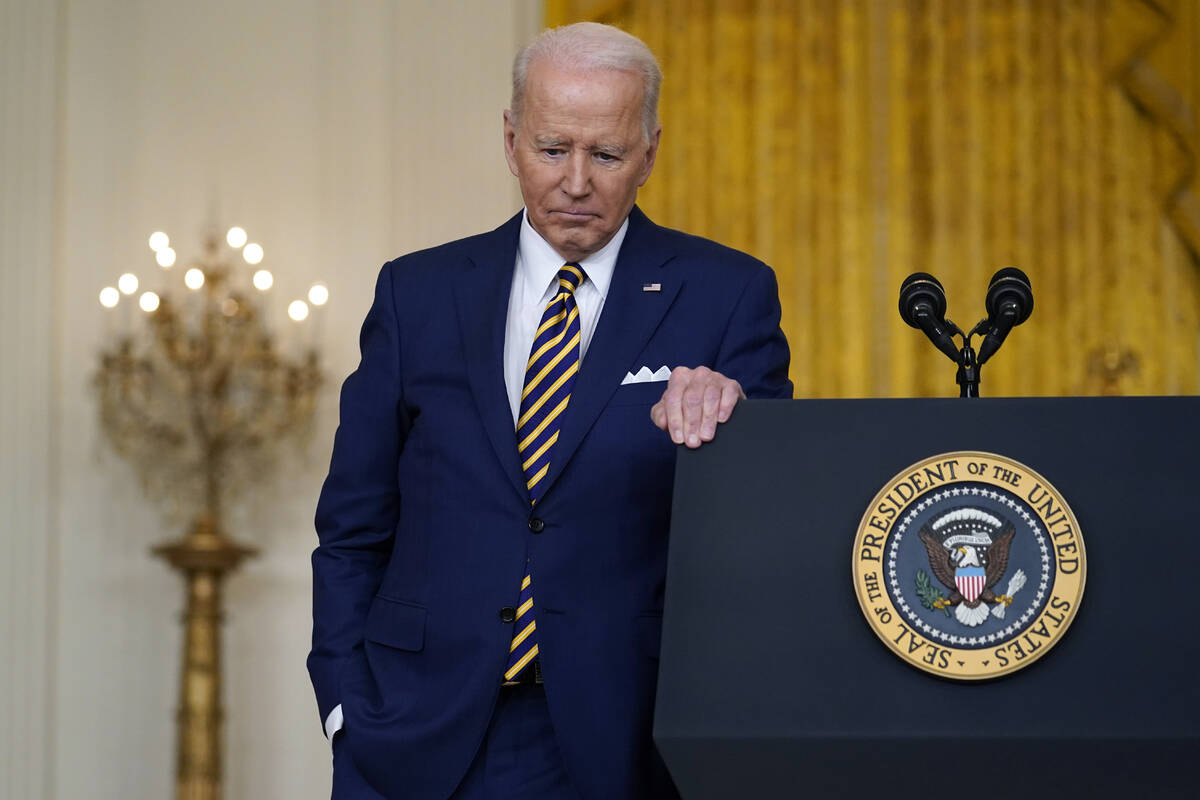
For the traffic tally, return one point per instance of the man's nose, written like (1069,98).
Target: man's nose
(577,177)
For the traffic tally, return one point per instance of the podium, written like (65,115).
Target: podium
(773,685)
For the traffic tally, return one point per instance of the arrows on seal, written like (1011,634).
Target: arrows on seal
(1014,585)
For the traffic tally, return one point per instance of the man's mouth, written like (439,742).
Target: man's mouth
(574,214)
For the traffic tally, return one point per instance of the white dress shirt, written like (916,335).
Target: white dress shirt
(535,281)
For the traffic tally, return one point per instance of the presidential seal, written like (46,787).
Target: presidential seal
(969,565)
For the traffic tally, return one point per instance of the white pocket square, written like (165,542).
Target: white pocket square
(644,375)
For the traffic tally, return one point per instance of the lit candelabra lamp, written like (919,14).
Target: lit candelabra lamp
(199,399)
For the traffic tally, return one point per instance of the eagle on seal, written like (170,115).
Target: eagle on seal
(968,552)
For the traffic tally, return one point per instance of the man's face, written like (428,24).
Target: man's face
(579,154)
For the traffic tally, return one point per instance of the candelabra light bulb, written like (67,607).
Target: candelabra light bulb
(148,301)
(298,310)
(236,237)
(127,283)
(193,278)
(318,295)
(165,257)
(253,253)
(158,240)
(109,297)
(263,280)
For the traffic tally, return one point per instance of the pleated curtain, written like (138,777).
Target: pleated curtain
(850,142)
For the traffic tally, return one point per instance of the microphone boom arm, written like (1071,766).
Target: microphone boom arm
(940,338)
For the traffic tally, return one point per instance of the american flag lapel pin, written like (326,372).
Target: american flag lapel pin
(651,287)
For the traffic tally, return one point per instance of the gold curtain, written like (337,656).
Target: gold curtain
(850,142)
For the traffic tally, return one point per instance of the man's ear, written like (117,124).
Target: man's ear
(510,143)
(651,155)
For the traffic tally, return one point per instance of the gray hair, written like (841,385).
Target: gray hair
(590,45)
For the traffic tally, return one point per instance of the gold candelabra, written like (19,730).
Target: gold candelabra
(199,401)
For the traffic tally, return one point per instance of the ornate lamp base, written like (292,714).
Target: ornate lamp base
(204,557)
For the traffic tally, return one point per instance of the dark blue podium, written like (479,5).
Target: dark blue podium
(772,684)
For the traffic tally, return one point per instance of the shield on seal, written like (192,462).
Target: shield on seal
(970,581)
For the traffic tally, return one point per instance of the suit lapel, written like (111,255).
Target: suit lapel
(629,319)
(481,295)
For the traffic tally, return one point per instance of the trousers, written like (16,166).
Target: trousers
(518,757)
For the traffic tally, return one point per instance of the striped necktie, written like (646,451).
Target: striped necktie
(549,376)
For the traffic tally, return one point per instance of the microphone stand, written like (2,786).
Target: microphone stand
(967,377)
(968,371)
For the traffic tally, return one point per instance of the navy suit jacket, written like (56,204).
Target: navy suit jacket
(424,519)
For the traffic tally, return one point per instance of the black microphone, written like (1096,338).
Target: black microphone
(923,305)
(1009,302)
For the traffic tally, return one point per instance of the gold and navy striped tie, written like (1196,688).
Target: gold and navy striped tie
(549,376)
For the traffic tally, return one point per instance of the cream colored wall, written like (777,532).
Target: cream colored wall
(340,134)
(29,75)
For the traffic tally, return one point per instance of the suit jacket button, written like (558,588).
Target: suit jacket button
(536,525)
(508,614)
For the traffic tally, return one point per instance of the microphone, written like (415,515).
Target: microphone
(1009,302)
(923,305)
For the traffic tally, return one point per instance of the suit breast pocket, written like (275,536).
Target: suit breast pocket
(395,623)
(639,394)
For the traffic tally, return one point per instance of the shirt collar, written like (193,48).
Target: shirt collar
(538,263)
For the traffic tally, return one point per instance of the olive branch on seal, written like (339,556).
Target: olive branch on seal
(929,595)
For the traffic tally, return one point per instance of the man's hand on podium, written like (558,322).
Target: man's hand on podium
(694,402)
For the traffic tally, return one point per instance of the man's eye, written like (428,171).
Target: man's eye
(605,157)
(553,151)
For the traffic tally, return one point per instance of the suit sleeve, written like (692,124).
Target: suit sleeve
(753,349)
(360,500)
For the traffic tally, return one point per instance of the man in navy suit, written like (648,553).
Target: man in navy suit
(487,625)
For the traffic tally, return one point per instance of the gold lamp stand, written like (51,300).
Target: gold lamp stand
(204,557)
(199,400)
